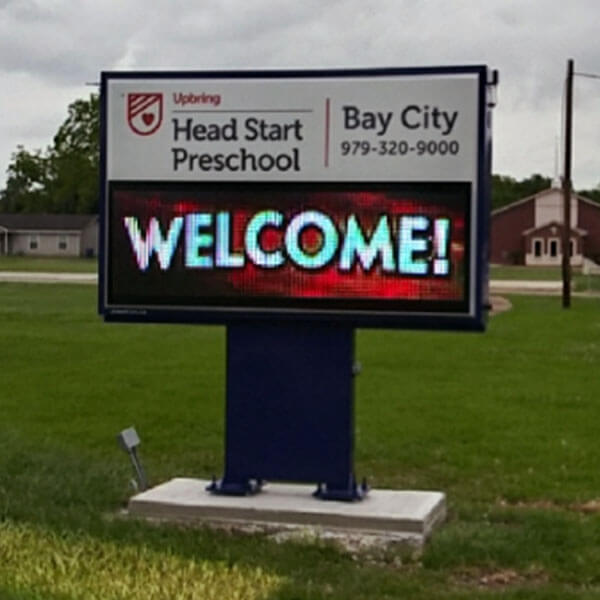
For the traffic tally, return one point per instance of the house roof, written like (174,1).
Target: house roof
(577,230)
(44,222)
(545,192)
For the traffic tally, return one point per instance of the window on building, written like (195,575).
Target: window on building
(538,248)
(553,248)
(62,242)
(34,242)
(572,247)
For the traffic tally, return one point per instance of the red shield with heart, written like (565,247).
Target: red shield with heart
(144,112)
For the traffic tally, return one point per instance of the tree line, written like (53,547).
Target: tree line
(506,189)
(64,178)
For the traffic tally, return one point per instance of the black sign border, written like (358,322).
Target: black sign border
(473,319)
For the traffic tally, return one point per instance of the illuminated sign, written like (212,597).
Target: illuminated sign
(354,195)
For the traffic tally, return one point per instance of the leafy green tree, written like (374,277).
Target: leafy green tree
(75,158)
(506,189)
(503,190)
(593,194)
(64,178)
(534,184)
(28,182)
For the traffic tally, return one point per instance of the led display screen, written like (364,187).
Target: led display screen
(359,196)
(373,247)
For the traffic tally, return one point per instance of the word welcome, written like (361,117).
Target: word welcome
(407,245)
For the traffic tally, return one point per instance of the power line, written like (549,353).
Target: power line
(590,75)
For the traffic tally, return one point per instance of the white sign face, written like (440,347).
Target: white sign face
(381,128)
(357,195)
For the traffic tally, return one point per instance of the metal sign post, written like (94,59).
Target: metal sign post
(290,408)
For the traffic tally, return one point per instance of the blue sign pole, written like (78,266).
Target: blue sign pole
(290,408)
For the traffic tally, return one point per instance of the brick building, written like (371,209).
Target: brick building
(529,231)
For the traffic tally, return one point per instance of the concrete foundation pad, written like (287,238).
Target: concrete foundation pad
(408,515)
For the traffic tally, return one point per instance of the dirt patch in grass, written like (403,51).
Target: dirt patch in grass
(589,507)
(499,304)
(535,504)
(500,578)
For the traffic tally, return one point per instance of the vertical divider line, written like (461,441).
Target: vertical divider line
(327,119)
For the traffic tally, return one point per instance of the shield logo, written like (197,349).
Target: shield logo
(144,112)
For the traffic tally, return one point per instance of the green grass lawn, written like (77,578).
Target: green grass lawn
(581,283)
(48,264)
(522,273)
(506,423)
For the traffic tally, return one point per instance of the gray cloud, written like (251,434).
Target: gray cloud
(55,46)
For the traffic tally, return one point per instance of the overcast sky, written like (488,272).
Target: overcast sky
(49,49)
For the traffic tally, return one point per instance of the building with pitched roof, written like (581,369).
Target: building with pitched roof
(529,231)
(48,235)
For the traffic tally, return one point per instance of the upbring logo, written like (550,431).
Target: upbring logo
(145,109)
(185,98)
(144,112)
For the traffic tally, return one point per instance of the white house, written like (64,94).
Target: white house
(48,235)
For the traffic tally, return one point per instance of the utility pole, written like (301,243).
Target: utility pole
(566,185)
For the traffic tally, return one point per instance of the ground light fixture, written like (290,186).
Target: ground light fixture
(129,440)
